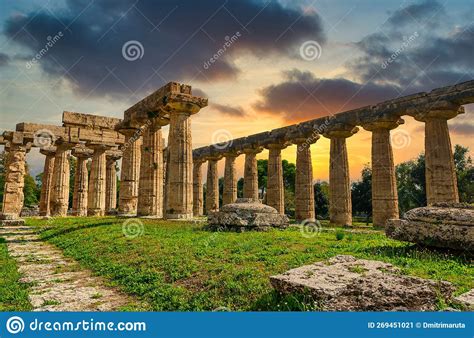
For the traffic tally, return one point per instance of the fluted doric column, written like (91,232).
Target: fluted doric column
(441,181)
(304,191)
(197,189)
(275,188)
(384,181)
(96,194)
(129,176)
(150,197)
(46,180)
(81,182)
(111,182)
(251,173)
(212,185)
(229,194)
(14,181)
(60,193)
(340,202)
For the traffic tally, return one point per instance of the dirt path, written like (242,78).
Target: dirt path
(57,283)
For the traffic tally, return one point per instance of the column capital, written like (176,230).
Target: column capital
(252,149)
(382,124)
(278,145)
(216,157)
(51,150)
(341,130)
(113,154)
(305,140)
(438,110)
(232,153)
(82,152)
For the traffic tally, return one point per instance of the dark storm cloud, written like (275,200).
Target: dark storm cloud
(235,111)
(463,129)
(415,57)
(302,96)
(178,37)
(4,58)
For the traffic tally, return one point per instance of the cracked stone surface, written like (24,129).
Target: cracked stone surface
(58,283)
(344,283)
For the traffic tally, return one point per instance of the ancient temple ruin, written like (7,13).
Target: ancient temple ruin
(163,179)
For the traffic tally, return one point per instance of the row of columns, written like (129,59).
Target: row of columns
(440,172)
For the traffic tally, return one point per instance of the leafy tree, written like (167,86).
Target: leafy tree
(262,169)
(465,173)
(289,175)
(321,199)
(361,194)
(411,184)
(72,174)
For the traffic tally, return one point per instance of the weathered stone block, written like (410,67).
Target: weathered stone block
(344,283)
(246,214)
(441,225)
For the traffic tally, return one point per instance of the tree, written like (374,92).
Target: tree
(361,194)
(31,190)
(411,184)
(262,169)
(464,173)
(321,199)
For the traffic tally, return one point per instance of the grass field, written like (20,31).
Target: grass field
(180,266)
(13,294)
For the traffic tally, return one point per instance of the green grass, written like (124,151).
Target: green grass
(13,294)
(179,266)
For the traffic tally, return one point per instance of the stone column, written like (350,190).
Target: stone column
(229,194)
(441,181)
(60,194)
(96,194)
(81,184)
(251,173)
(150,197)
(129,176)
(197,189)
(46,181)
(180,180)
(212,185)
(111,184)
(14,181)
(340,202)
(304,191)
(275,188)
(384,181)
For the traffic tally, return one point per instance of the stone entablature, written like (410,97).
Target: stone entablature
(89,121)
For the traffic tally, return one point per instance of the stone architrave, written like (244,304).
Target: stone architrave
(212,184)
(340,203)
(275,188)
(441,181)
(60,193)
(14,181)
(129,176)
(304,191)
(97,182)
(150,197)
(197,188)
(251,173)
(111,182)
(47,180)
(229,194)
(81,181)
(384,181)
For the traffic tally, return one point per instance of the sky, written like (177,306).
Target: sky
(262,64)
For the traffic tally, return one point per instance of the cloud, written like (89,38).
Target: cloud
(428,10)
(235,111)
(411,56)
(4,59)
(463,129)
(302,96)
(178,37)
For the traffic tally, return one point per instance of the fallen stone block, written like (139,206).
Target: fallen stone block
(441,225)
(466,300)
(344,283)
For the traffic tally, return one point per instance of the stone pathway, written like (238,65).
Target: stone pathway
(58,283)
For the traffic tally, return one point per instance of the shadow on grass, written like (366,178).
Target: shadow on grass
(64,231)
(418,251)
